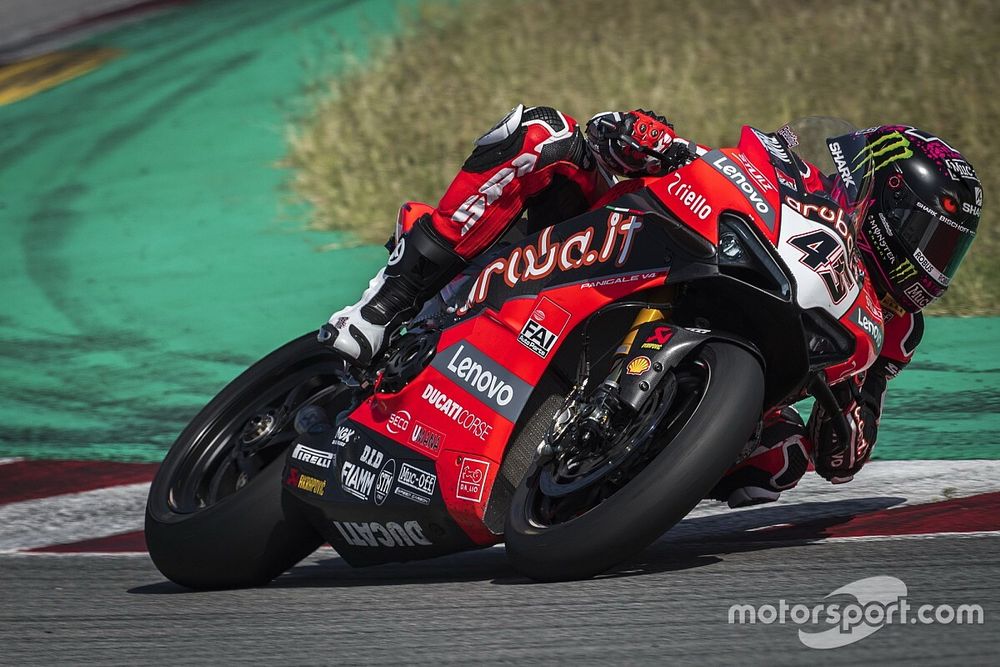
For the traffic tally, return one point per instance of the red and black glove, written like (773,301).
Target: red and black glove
(637,143)
(860,398)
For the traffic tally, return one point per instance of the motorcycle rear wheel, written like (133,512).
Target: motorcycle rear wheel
(678,477)
(217,516)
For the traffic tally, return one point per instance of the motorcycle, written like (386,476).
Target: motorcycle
(574,394)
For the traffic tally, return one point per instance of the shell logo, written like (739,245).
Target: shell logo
(638,366)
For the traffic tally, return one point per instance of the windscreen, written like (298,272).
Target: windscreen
(840,152)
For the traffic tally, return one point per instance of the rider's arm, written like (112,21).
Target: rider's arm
(860,398)
(529,153)
(637,143)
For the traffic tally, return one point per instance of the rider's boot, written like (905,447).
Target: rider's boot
(420,265)
(780,459)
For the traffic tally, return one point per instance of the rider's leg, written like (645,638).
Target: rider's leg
(513,167)
(776,465)
(421,264)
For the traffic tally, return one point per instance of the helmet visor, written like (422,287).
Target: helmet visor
(938,243)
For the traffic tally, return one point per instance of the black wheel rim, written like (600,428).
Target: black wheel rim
(662,425)
(228,452)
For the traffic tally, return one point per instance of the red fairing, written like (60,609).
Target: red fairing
(468,432)
(863,319)
(483,201)
(699,192)
(901,338)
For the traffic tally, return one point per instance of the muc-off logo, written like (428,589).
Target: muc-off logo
(417,479)
(960,169)
(415,484)
(918,295)
(885,150)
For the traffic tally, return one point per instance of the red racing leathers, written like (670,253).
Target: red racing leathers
(537,160)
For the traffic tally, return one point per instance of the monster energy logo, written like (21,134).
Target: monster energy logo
(903,272)
(884,151)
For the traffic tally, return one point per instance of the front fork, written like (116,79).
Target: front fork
(664,294)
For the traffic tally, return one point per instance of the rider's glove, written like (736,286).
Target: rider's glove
(637,143)
(838,461)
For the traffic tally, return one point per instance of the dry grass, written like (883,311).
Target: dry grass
(400,127)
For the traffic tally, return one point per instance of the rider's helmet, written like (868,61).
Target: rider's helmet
(924,211)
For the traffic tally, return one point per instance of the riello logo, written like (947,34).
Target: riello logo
(539,260)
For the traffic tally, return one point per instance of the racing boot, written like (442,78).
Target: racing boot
(776,464)
(419,266)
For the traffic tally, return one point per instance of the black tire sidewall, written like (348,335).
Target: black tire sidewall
(246,539)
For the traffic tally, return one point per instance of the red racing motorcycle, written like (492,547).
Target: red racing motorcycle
(574,394)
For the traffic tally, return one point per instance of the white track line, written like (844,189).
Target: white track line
(72,517)
(10,460)
(882,484)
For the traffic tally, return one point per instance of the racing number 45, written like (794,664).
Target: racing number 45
(825,255)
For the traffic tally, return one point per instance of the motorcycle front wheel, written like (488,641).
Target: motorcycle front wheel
(217,516)
(581,532)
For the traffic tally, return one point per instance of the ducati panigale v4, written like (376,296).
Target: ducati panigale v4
(573,394)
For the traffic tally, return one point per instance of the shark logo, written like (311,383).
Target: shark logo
(884,151)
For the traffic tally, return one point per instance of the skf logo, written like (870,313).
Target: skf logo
(638,366)
(904,271)
(884,151)
(541,338)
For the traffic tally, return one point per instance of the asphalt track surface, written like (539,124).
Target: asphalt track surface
(670,605)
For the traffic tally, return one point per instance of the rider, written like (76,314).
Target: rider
(923,215)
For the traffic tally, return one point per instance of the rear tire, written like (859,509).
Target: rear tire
(659,496)
(246,540)
(213,523)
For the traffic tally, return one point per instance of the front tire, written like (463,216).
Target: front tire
(217,516)
(660,495)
